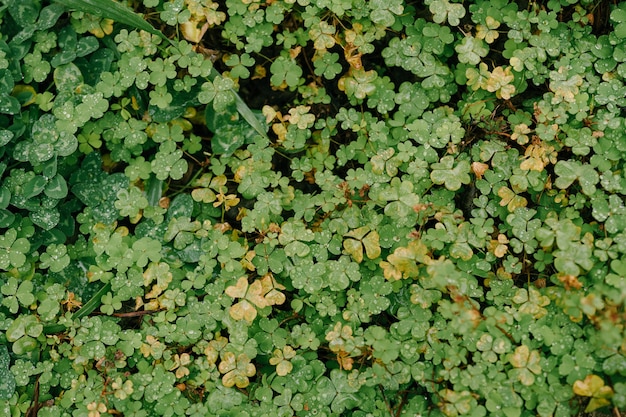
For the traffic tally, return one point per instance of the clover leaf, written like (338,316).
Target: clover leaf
(323,36)
(360,238)
(593,386)
(8,385)
(453,177)
(281,359)
(471,50)
(261,293)
(168,162)
(13,249)
(383,11)
(236,369)
(568,171)
(327,65)
(55,258)
(526,363)
(285,72)
(17,293)
(531,302)
(443,10)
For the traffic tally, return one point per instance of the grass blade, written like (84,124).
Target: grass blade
(115,11)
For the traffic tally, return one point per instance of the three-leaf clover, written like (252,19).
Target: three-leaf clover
(568,171)
(526,363)
(13,249)
(445,172)
(236,369)
(261,293)
(55,258)
(281,359)
(471,50)
(443,10)
(593,386)
(360,238)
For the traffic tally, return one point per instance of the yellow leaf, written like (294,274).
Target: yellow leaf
(283,368)
(406,261)
(238,290)
(104,27)
(511,200)
(243,310)
(534,364)
(372,245)
(479,168)
(519,358)
(228,363)
(354,248)
(193,30)
(390,272)
(203,195)
(275,297)
(589,386)
(255,294)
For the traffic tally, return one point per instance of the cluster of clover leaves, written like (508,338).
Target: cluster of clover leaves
(312,208)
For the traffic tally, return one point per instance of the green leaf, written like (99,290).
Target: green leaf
(112,10)
(34,187)
(230,132)
(5,136)
(569,171)
(443,10)
(471,50)
(7,380)
(67,77)
(24,12)
(444,172)
(56,187)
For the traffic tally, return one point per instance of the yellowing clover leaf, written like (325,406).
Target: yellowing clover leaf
(404,262)
(532,302)
(322,35)
(510,199)
(565,89)
(281,359)
(520,134)
(271,290)
(477,79)
(236,370)
(593,386)
(537,156)
(261,293)
(500,82)
(360,238)
(338,336)
(244,309)
(471,50)
(526,363)
(456,403)
(301,117)
(488,31)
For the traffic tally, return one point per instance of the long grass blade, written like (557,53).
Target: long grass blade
(115,11)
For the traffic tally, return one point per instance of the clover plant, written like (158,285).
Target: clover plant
(312,208)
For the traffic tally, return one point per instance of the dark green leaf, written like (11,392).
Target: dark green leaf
(7,380)
(56,187)
(34,187)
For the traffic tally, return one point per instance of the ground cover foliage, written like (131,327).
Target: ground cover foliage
(312,208)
